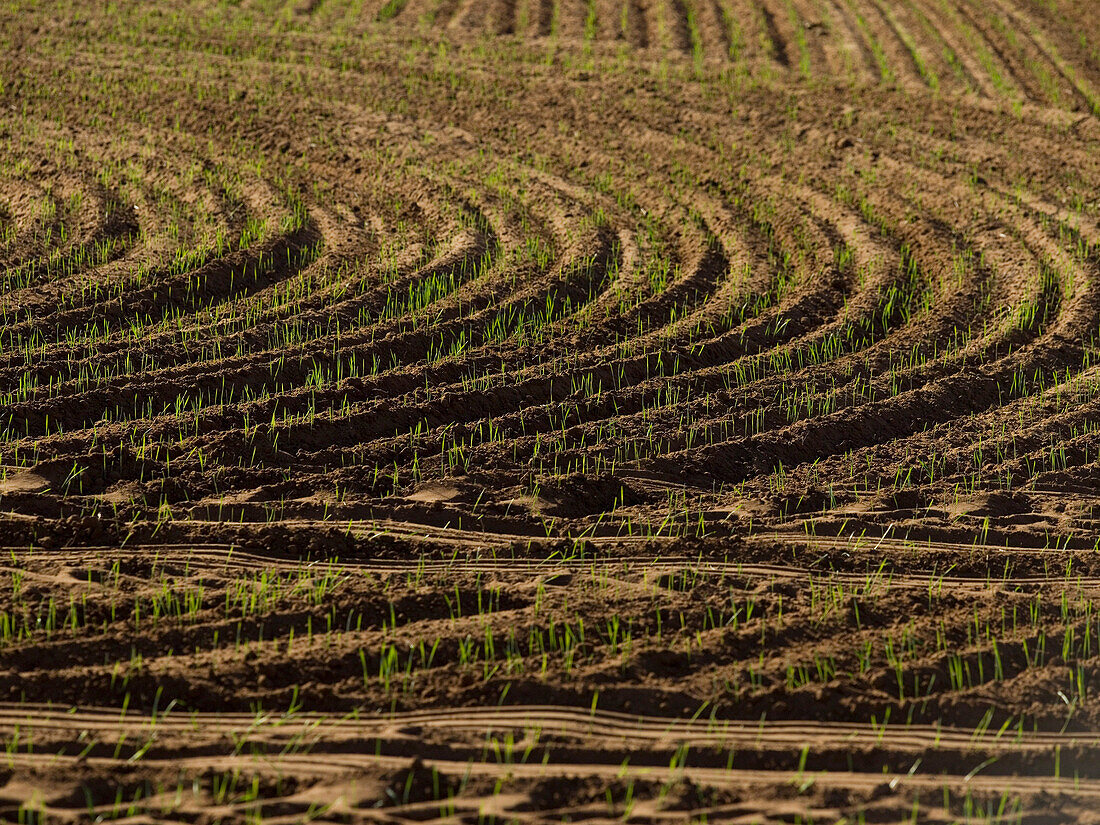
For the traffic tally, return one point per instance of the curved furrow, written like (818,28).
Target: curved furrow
(970,49)
(816,56)
(181,365)
(843,58)
(1009,50)
(907,32)
(777,40)
(708,311)
(81,225)
(672,21)
(339,432)
(975,470)
(291,364)
(348,341)
(658,334)
(1015,452)
(189,276)
(535,389)
(47,234)
(125,290)
(987,166)
(1054,346)
(807,388)
(1041,51)
(624,404)
(955,467)
(572,281)
(894,53)
(857,59)
(675,276)
(304,309)
(580,275)
(177,288)
(818,307)
(389,307)
(747,33)
(953,73)
(776,249)
(664,286)
(708,31)
(1054,390)
(163,207)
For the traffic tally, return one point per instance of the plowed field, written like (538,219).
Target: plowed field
(550,410)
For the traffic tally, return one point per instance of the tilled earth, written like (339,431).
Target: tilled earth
(545,410)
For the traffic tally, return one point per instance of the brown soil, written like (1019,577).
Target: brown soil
(529,410)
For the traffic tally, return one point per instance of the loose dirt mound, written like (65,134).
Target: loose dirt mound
(431,404)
